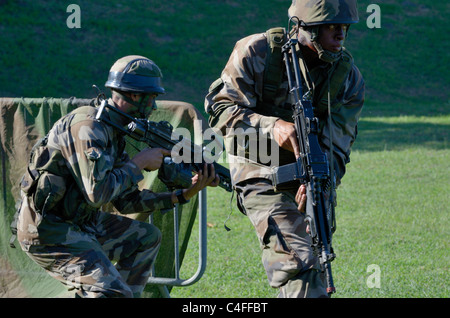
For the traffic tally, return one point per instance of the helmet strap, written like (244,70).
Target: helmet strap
(141,104)
(324,55)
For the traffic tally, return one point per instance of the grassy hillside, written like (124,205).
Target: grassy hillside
(189,40)
(405,62)
(393,205)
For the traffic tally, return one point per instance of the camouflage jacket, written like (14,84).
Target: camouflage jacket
(235,101)
(98,165)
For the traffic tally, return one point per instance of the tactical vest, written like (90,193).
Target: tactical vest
(49,183)
(274,72)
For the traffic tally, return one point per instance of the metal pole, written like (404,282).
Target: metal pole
(202,251)
(176,240)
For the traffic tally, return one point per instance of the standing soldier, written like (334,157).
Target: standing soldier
(80,166)
(252,92)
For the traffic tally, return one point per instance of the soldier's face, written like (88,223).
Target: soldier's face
(147,102)
(332,36)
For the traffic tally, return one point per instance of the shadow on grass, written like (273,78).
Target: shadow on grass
(379,136)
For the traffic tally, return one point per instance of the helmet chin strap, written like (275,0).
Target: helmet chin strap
(324,55)
(142,110)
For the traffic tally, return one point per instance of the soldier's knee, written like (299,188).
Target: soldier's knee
(278,259)
(281,261)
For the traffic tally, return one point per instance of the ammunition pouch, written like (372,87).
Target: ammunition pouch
(39,157)
(29,181)
(50,190)
(50,186)
(45,179)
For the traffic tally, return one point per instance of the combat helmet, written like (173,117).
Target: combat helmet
(135,74)
(312,13)
(139,75)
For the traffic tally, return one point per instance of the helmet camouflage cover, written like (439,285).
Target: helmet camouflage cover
(314,12)
(136,74)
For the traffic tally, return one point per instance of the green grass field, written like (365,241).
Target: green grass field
(392,212)
(393,204)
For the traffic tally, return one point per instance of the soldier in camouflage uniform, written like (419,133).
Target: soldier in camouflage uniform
(79,167)
(242,99)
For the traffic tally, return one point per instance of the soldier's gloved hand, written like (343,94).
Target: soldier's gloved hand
(150,158)
(285,136)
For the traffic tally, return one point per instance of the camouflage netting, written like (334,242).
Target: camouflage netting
(22,122)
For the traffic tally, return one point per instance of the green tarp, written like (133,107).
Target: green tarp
(22,122)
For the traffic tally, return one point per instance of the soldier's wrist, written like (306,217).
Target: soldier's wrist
(180,195)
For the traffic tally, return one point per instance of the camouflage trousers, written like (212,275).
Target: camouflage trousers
(82,258)
(287,255)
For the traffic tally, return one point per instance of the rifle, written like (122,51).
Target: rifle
(312,167)
(161,135)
